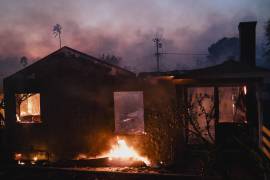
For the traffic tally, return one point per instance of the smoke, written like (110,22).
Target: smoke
(123,28)
(8,66)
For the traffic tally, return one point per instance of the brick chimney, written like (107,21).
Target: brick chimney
(247,36)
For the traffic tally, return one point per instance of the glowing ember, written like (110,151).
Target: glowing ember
(245,90)
(123,152)
(81,156)
(21,163)
(18,156)
(35,158)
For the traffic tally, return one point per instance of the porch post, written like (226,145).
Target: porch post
(252,113)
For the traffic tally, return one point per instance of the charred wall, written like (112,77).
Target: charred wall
(77,112)
(164,127)
(163,141)
(76,101)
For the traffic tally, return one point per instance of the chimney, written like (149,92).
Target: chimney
(247,36)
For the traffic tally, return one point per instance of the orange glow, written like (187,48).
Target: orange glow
(81,156)
(166,77)
(30,106)
(29,109)
(183,81)
(35,158)
(122,151)
(18,156)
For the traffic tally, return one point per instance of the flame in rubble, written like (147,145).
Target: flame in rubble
(123,152)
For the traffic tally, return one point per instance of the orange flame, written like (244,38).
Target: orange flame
(123,152)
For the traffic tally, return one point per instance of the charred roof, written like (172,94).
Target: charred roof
(67,56)
(228,69)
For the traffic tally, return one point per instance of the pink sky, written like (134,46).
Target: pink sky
(122,27)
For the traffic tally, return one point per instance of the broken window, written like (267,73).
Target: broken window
(232,104)
(200,115)
(129,112)
(28,108)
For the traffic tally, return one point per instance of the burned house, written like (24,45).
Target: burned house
(49,101)
(223,104)
(69,104)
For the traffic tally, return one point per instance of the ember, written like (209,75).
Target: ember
(122,152)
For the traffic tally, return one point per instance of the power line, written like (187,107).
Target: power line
(186,54)
(158,45)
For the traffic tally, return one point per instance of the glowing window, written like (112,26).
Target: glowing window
(128,112)
(28,108)
(200,116)
(232,104)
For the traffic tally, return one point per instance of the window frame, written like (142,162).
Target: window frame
(216,105)
(40,108)
(186,121)
(123,132)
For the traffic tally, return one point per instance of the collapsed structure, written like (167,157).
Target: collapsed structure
(70,103)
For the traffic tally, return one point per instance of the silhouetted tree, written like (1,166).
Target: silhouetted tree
(24,61)
(195,109)
(112,59)
(222,49)
(57,30)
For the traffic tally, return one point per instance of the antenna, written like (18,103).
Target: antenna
(158,45)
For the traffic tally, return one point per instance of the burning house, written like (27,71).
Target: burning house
(70,105)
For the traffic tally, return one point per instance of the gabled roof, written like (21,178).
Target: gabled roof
(228,69)
(69,52)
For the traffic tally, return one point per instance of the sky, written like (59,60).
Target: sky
(124,28)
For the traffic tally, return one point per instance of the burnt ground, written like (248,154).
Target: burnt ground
(234,169)
(52,173)
(12,171)
(226,166)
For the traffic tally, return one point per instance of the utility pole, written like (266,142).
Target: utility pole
(158,45)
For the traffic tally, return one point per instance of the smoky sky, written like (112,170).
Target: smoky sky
(122,27)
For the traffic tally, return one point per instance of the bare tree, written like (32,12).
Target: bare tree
(24,61)
(196,109)
(22,97)
(57,30)
(112,59)
(222,49)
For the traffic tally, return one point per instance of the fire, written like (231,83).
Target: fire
(123,152)
(35,158)
(18,156)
